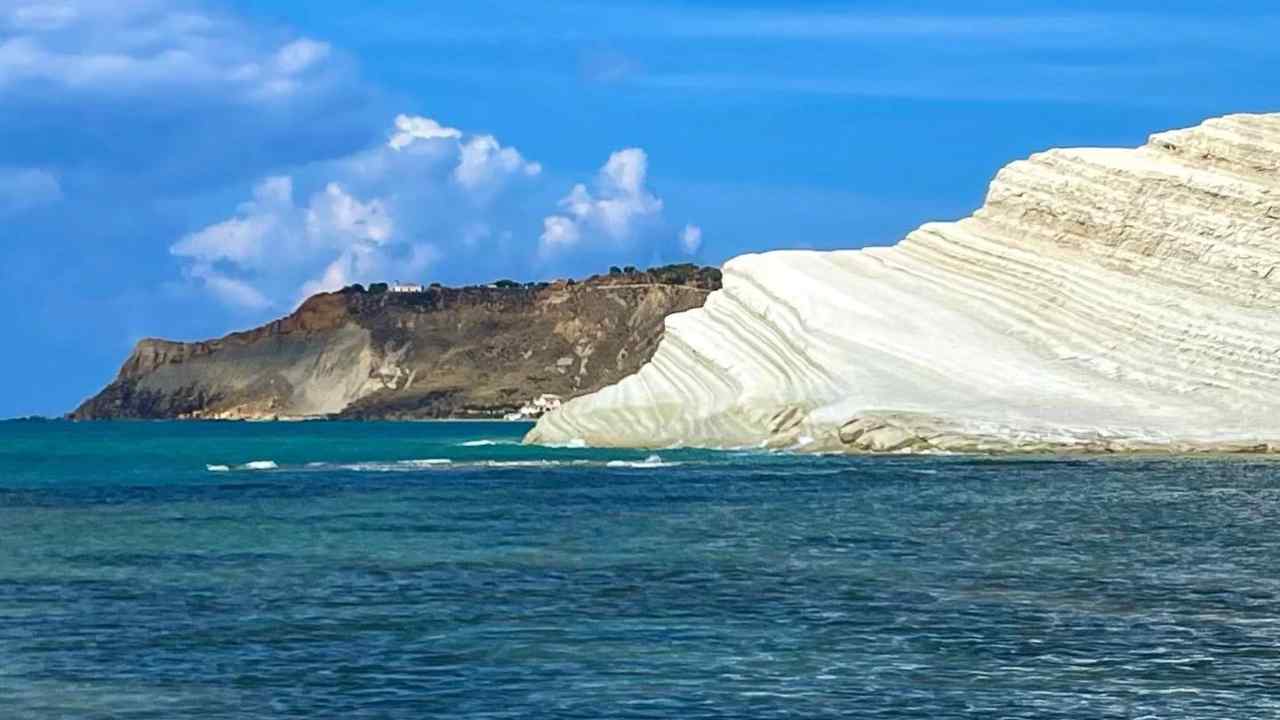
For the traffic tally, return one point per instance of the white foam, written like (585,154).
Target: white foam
(571,444)
(521,463)
(398,465)
(369,467)
(653,461)
(485,443)
(217,468)
(260,465)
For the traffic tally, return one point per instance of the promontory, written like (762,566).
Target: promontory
(1100,300)
(411,351)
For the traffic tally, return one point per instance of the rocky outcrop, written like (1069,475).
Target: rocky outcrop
(1101,300)
(446,352)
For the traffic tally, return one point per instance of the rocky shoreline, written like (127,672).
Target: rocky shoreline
(475,352)
(1101,300)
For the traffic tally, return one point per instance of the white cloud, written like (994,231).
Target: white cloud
(243,239)
(619,204)
(230,291)
(26,188)
(335,218)
(285,246)
(559,233)
(691,239)
(299,55)
(272,249)
(428,196)
(115,48)
(485,163)
(41,16)
(361,263)
(410,129)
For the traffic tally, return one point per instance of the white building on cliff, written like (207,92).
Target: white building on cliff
(398,287)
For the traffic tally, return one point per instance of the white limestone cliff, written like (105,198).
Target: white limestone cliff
(1100,300)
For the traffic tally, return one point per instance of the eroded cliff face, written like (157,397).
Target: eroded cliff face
(1101,300)
(446,352)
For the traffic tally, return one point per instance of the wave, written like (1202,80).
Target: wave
(571,444)
(653,461)
(253,465)
(387,466)
(522,463)
(486,443)
(395,466)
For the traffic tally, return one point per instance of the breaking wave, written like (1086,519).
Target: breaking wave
(571,444)
(653,461)
(521,463)
(389,466)
(254,465)
(397,466)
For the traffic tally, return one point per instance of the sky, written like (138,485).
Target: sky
(186,168)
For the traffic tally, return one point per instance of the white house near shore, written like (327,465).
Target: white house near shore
(536,407)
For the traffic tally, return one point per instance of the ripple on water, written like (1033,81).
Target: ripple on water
(513,582)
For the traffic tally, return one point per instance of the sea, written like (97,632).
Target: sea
(443,570)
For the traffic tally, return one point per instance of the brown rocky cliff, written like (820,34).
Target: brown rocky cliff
(447,352)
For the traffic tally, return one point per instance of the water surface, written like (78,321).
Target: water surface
(363,576)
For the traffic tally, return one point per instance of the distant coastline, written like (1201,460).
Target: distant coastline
(413,352)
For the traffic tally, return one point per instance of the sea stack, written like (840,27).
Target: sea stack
(1100,300)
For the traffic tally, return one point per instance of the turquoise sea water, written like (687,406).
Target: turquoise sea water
(364,577)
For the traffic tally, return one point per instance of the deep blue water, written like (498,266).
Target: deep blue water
(534,583)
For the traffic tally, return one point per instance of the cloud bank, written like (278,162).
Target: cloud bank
(428,200)
(205,96)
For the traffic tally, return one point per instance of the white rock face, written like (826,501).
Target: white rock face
(1100,300)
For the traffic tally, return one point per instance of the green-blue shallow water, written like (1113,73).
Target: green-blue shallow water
(364,577)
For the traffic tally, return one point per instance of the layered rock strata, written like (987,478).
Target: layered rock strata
(471,352)
(1100,300)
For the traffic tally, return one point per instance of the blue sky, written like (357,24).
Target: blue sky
(183,168)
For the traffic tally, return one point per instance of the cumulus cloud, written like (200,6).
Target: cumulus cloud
(482,163)
(619,205)
(364,221)
(335,217)
(559,233)
(243,239)
(485,163)
(691,239)
(427,197)
(26,188)
(214,101)
(275,249)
